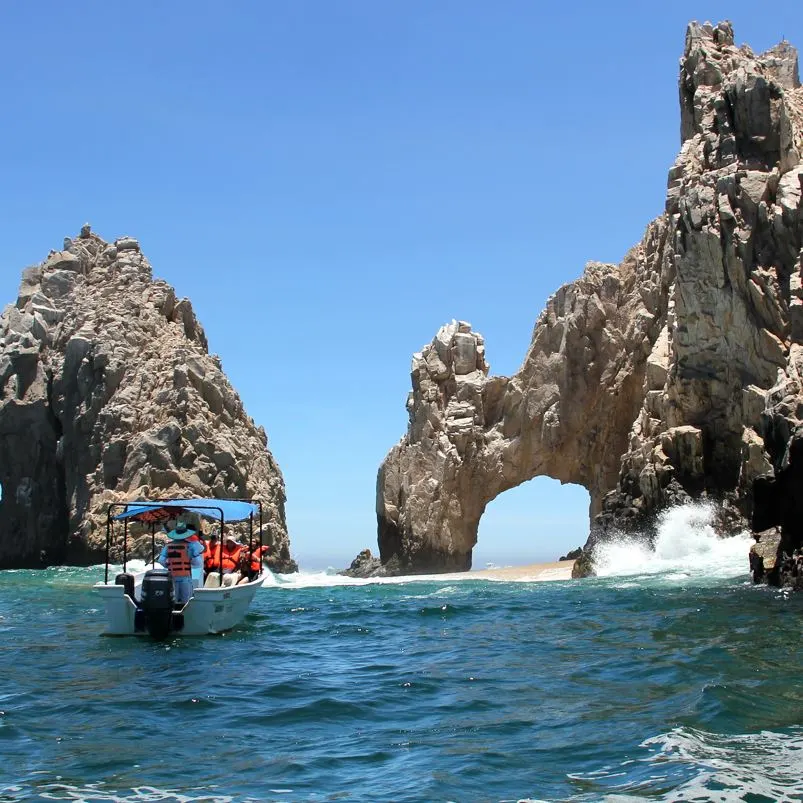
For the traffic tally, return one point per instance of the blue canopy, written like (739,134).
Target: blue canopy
(232,509)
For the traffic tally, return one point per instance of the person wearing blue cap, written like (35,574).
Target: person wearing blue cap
(178,556)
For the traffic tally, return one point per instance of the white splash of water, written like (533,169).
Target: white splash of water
(133,566)
(686,545)
(330,578)
(761,766)
(695,765)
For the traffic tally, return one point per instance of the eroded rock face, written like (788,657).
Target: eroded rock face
(108,393)
(764,564)
(673,376)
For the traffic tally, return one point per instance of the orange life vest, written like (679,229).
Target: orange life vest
(212,559)
(256,557)
(231,560)
(178,559)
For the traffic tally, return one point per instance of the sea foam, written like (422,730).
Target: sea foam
(330,578)
(686,545)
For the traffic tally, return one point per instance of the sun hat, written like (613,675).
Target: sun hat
(181,531)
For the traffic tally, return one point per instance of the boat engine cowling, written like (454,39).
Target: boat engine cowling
(156,602)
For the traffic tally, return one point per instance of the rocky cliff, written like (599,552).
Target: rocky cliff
(675,375)
(108,393)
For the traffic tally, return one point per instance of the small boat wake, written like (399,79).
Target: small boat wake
(686,546)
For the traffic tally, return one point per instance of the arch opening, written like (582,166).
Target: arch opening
(536,522)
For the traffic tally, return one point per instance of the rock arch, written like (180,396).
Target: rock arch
(676,374)
(565,414)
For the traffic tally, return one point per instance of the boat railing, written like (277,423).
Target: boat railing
(156,504)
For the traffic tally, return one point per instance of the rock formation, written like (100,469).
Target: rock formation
(366,565)
(108,393)
(675,375)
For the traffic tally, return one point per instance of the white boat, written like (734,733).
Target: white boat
(130,612)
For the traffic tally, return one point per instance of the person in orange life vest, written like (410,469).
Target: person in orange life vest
(232,549)
(230,556)
(177,556)
(212,555)
(251,562)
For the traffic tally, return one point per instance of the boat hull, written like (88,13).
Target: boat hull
(209,610)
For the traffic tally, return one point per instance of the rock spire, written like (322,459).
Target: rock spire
(108,393)
(675,375)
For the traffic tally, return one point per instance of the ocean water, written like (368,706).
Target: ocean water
(669,678)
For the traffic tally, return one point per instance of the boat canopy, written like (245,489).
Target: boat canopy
(230,509)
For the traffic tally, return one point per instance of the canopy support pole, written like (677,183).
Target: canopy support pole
(251,544)
(222,541)
(108,536)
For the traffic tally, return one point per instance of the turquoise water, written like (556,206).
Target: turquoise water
(675,685)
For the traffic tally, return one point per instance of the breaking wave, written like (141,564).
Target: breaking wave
(686,545)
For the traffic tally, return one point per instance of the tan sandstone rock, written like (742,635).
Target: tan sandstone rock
(764,557)
(672,376)
(108,393)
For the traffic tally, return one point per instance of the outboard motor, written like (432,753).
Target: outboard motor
(157,602)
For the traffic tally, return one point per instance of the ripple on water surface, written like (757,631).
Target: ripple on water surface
(668,689)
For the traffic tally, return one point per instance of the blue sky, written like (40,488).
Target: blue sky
(329,182)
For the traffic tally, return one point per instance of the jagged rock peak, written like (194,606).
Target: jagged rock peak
(731,96)
(673,376)
(444,370)
(782,62)
(107,393)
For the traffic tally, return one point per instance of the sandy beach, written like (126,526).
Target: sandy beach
(560,570)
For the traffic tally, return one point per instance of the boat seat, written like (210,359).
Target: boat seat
(126,580)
